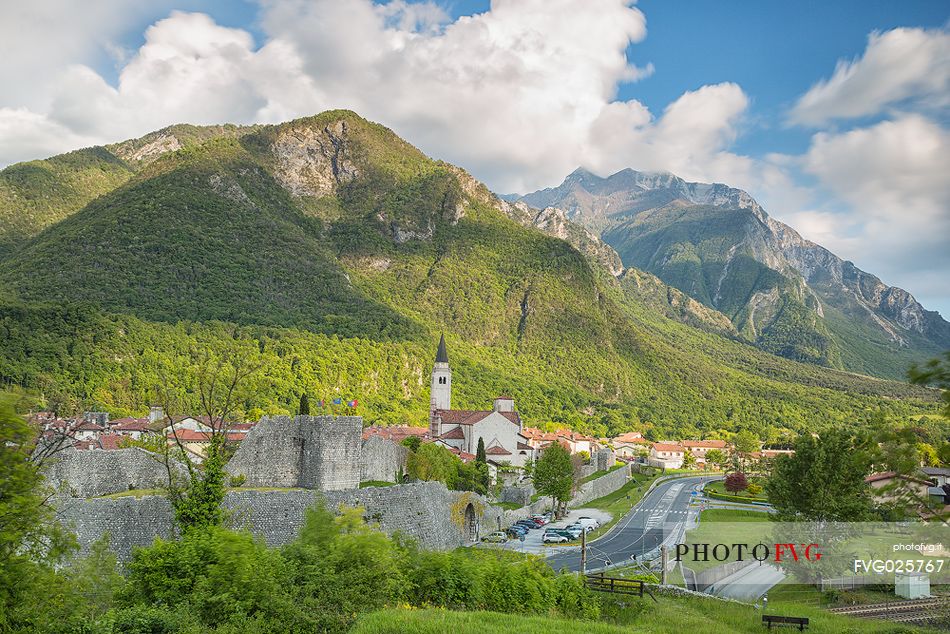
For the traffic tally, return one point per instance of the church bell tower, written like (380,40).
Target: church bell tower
(441,392)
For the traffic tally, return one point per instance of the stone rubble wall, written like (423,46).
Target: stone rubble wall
(603,459)
(316,452)
(425,511)
(516,494)
(600,487)
(383,460)
(92,473)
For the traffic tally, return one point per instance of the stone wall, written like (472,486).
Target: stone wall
(587,470)
(383,460)
(129,521)
(603,459)
(600,487)
(516,494)
(316,452)
(93,473)
(426,511)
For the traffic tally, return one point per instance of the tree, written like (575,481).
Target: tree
(754,489)
(736,482)
(219,379)
(689,460)
(28,533)
(554,474)
(823,480)
(412,442)
(716,458)
(480,451)
(746,442)
(304,409)
(935,372)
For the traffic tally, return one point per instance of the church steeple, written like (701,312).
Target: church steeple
(440,395)
(442,356)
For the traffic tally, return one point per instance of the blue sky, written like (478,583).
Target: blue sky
(834,115)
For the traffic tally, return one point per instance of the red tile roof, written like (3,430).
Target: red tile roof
(110,441)
(630,436)
(711,444)
(456,433)
(396,433)
(130,424)
(661,446)
(87,426)
(471,417)
(522,445)
(190,435)
(497,450)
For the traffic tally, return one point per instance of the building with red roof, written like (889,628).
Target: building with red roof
(500,428)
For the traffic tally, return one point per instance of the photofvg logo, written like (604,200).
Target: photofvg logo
(777,553)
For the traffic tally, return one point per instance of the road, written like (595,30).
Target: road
(661,517)
(747,584)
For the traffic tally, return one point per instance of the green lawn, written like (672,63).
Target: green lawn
(726,526)
(670,615)
(719,487)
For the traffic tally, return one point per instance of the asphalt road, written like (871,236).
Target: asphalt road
(661,517)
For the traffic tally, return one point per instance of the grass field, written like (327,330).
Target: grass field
(620,501)
(670,615)
(726,526)
(719,487)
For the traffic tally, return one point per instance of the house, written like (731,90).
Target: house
(885,486)
(938,475)
(134,428)
(87,430)
(699,448)
(194,423)
(667,455)
(500,428)
(630,445)
(396,433)
(576,442)
(196,442)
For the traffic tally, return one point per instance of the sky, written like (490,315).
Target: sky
(835,116)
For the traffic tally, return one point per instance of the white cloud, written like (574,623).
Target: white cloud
(27,134)
(892,177)
(905,64)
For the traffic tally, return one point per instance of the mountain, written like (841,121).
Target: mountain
(786,294)
(329,253)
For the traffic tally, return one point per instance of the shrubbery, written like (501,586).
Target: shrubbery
(214,579)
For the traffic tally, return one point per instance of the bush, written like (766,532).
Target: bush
(754,489)
(736,482)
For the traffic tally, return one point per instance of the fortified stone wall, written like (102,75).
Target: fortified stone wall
(129,521)
(93,473)
(426,511)
(603,459)
(516,495)
(315,452)
(383,460)
(600,487)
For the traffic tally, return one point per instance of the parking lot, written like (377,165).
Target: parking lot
(532,540)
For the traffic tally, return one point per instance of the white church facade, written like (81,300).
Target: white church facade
(500,428)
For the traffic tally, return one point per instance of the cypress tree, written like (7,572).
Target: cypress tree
(480,452)
(304,405)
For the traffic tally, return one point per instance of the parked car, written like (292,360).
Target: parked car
(528,524)
(574,530)
(541,518)
(554,538)
(588,521)
(518,528)
(560,531)
(497,537)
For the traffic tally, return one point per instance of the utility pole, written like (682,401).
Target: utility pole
(664,560)
(583,551)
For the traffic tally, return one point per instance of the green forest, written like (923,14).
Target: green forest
(116,289)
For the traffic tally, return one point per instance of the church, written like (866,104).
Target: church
(460,429)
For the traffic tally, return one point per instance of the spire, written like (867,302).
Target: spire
(442,356)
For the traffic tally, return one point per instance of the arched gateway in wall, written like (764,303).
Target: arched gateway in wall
(471,523)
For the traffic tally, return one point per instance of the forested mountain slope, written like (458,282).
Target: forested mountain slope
(788,295)
(332,253)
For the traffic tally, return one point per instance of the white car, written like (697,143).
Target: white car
(554,538)
(588,522)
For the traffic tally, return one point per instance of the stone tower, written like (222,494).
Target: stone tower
(441,392)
